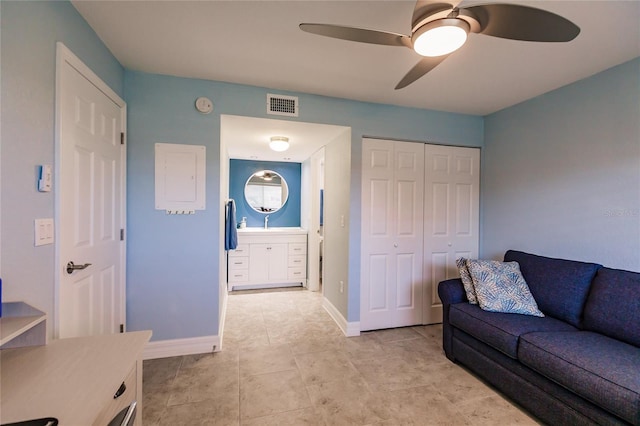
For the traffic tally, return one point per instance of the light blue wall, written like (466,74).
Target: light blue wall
(172,261)
(561,172)
(239,173)
(172,273)
(29,32)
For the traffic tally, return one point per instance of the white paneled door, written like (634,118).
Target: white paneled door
(451,217)
(91,202)
(392,234)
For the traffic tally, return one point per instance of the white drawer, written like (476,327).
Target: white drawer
(241,250)
(236,263)
(297,248)
(297,273)
(241,275)
(298,261)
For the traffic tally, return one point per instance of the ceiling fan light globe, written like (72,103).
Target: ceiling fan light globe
(440,37)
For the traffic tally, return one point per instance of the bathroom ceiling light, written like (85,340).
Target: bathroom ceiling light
(279,143)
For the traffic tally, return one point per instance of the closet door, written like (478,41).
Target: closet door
(451,217)
(392,234)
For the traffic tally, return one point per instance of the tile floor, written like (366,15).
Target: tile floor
(285,362)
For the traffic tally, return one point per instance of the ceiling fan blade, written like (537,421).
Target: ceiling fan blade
(357,34)
(426,8)
(523,23)
(425,65)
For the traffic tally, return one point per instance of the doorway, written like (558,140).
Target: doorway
(247,138)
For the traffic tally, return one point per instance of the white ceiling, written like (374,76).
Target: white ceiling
(259,43)
(248,138)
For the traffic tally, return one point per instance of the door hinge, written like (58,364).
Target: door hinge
(122,235)
(121,138)
(121,328)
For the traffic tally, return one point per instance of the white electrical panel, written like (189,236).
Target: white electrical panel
(180,177)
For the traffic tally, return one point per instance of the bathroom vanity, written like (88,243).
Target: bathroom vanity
(266,258)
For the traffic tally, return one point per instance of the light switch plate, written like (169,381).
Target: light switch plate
(43,231)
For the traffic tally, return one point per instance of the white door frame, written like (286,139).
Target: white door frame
(316,173)
(65,56)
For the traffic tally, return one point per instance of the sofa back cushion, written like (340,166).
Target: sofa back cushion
(613,306)
(559,286)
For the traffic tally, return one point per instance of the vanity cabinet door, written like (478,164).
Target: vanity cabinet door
(268,262)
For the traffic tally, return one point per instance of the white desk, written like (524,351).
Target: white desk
(73,380)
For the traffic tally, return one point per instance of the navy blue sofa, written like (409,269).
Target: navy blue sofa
(579,365)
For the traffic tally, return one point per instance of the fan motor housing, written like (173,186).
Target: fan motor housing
(460,14)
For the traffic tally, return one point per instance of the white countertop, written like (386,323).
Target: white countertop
(274,231)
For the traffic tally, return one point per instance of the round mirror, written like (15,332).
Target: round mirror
(266,191)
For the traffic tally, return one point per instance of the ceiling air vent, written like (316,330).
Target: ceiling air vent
(282,105)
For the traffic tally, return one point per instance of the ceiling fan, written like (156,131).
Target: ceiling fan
(438,29)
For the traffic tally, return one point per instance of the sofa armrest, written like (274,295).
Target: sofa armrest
(450,292)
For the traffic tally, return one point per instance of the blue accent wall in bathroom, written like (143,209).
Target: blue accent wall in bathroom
(288,215)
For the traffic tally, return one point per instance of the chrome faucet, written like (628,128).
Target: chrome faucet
(266,222)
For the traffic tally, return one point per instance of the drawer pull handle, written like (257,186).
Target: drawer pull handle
(120,391)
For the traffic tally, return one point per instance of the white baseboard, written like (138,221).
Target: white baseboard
(223,316)
(350,329)
(179,347)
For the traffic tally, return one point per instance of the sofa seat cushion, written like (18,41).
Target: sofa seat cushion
(500,330)
(602,370)
(559,286)
(613,306)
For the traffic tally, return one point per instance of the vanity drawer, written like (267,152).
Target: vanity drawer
(298,261)
(240,250)
(237,263)
(238,276)
(297,273)
(297,248)
(114,405)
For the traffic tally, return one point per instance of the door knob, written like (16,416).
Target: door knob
(395,245)
(72,267)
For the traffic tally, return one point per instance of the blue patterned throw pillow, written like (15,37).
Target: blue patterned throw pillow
(500,287)
(461,263)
